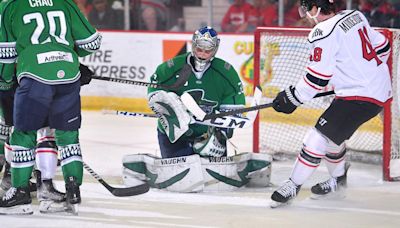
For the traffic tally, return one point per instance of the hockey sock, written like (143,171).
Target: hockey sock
(4,133)
(71,156)
(23,159)
(309,159)
(304,167)
(335,159)
(46,159)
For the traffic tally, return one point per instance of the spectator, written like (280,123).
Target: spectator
(261,14)
(236,18)
(379,13)
(84,6)
(291,14)
(103,16)
(153,15)
(396,6)
(179,26)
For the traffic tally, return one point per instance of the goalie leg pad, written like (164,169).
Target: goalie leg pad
(260,167)
(171,112)
(233,172)
(179,174)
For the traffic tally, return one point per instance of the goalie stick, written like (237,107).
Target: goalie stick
(129,191)
(193,107)
(183,74)
(225,122)
(239,122)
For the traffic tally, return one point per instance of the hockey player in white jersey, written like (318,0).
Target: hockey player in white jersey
(351,56)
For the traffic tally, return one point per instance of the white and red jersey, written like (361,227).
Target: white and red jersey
(349,55)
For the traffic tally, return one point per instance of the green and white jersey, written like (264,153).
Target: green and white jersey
(45,38)
(7,70)
(216,88)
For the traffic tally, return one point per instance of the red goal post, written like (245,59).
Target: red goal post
(280,57)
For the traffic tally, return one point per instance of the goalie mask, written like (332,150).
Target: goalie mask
(323,6)
(205,43)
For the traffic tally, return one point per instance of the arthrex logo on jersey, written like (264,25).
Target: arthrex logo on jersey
(54,56)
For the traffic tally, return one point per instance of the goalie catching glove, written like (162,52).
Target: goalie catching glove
(286,101)
(171,112)
(213,144)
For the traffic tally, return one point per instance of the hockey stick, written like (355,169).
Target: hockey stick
(126,113)
(192,106)
(225,122)
(130,191)
(182,76)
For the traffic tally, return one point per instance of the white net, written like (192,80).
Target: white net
(283,55)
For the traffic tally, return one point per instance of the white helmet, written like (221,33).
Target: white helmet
(205,38)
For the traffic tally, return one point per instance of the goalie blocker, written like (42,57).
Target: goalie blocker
(196,174)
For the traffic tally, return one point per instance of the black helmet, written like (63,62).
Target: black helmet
(327,6)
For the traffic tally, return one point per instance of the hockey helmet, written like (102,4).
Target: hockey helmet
(325,6)
(205,38)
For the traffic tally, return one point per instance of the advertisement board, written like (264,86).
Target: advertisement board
(136,55)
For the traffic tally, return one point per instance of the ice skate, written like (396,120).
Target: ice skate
(16,201)
(73,195)
(334,187)
(50,200)
(285,194)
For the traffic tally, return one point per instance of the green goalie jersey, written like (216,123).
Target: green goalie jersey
(217,88)
(45,38)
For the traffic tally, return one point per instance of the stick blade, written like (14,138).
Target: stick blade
(132,191)
(184,75)
(192,106)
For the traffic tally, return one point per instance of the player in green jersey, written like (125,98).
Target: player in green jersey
(194,156)
(214,84)
(46,36)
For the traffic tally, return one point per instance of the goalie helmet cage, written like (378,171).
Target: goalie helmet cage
(280,57)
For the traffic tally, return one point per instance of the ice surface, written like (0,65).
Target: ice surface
(105,139)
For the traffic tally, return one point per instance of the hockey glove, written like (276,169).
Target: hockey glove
(171,112)
(86,74)
(212,145)
(286,101)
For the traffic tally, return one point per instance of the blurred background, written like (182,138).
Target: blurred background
(233,16)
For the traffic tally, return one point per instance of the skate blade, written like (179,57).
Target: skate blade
(275,204)
(338,195)
(49,207)
(72,208)
(25,209)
